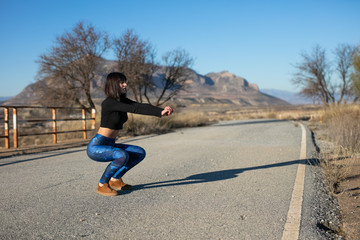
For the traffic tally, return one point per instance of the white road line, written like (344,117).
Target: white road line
(292,225)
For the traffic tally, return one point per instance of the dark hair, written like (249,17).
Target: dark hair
(112,85)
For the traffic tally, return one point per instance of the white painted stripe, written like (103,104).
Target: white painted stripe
(292,225)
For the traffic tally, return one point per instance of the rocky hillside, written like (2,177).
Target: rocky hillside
(225,88)
(212,88)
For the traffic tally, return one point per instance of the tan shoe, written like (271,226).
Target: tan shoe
(105,190)
(118,184)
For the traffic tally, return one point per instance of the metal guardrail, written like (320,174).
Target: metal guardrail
(16,132)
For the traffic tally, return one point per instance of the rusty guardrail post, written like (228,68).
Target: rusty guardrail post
(84,122)
(54,125)
(6,119)
(15,128)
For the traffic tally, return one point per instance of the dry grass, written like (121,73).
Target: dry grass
(337,167)
(142,125)
(343,123)
(341,128)
(270,112)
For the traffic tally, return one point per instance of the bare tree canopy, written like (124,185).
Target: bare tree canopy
(312,76)
(344,61)
(68,69)
(314,73)
(177,65)
(136,60)
(70,65)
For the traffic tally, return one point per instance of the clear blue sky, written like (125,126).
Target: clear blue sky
(257,40)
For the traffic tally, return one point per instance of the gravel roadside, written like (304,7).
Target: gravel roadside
(324,211)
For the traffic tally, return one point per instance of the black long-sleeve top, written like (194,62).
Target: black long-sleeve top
(114,112)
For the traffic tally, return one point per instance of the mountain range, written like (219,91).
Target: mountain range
(225,88)
(212,88)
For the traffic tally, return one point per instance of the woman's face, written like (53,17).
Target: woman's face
(123,86)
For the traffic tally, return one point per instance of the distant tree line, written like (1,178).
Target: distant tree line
(68,68)
(328,81)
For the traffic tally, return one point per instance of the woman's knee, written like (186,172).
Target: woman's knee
(121,157)
(135,152)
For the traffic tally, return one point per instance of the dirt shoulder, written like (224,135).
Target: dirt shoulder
(348,191)
(349,201)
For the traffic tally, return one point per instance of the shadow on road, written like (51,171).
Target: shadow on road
(10,161)
(219,175)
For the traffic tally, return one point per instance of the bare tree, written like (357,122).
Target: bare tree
(313,76)
(70,66)
(344,61)
(355,76)
(136,59)
(176,71)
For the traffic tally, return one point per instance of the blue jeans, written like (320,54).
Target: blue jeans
(123,157)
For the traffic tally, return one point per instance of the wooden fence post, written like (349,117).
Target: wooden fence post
(84,121)
(93,114)
(6,119)
(54,125)
(15,128)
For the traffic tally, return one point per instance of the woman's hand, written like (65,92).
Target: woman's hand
(167,111)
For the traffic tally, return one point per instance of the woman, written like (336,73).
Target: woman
(102,147)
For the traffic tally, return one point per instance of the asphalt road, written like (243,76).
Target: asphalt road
(233,180)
